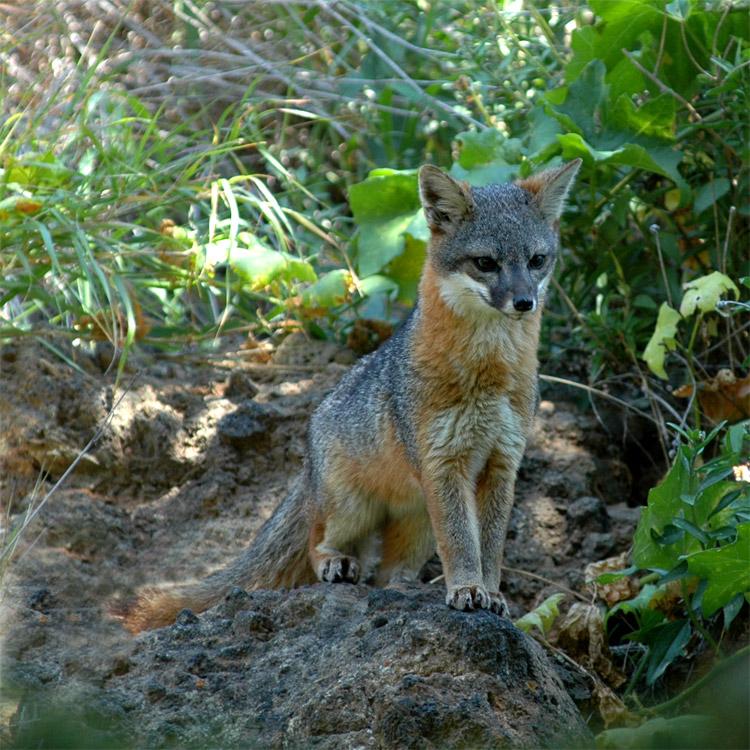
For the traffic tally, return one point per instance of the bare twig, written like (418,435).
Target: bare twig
(662,86)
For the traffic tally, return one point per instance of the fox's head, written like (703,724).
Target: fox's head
(494,248)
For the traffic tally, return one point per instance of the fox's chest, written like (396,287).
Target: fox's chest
(470,432)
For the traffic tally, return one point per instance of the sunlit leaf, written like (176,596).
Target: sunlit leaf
(704,292)
(662,340)
(543,616)
(331,290)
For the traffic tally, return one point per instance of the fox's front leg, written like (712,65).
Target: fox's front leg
(495,490)
(453,512)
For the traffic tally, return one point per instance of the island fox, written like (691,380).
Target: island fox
(419,443)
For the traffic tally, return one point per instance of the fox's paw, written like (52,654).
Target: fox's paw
(499,605)
(339,569)
(468,597)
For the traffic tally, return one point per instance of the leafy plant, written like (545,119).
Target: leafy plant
(695,534)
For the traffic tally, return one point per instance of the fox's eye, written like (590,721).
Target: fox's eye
(485,264)
(537,261)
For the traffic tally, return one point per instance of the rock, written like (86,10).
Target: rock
(330,666)
(597,546)
(246,424)
(587,514)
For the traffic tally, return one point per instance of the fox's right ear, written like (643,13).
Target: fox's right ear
(446,202)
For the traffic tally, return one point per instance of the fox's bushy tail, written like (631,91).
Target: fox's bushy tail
(276,558)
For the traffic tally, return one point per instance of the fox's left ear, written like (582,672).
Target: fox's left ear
(550,189)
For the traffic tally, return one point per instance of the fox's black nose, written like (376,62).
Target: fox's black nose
(523,304)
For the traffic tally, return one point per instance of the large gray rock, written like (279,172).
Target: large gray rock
(330,666)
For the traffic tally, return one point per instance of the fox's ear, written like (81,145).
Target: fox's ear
(446,201)
(550,189)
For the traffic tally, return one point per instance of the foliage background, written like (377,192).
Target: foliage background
(171,171)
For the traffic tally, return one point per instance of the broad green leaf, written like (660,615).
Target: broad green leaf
(406,268)
(662,160)
(376,284)
(485,174)
(736,436)
(678,9)
(480,147)
(485,157)
(655,117)
(585,98)
(704,292)
(664,505)
(257,267)
(662,340)
(256,264)
(622,22)
(543,616)
(727,570)
(331,290)
(384,207)
(381,241)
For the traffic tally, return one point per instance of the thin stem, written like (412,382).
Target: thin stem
(599,392)
(637,674)
(546,30)
(654,229)
(663,87)
(616,189)
(661,45)
(691,368)
(690,54)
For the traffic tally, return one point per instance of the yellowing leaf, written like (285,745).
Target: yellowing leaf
(703,293)
(662,340)
(543,616)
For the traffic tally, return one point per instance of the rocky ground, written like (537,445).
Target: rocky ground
(198,453)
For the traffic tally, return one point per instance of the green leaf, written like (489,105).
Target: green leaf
(376,284)
(615,575)
(678,9)
(331,290)
(662,340)
(480,147)
(664,505)
(691,528)
(667,646)
(726,568)
(704,292)
(622,22)
(585,98)
(258,266)
(736,436)
(406,268)
(385,205)
(732,609)
(639,606)
(543,616)
(659,159)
